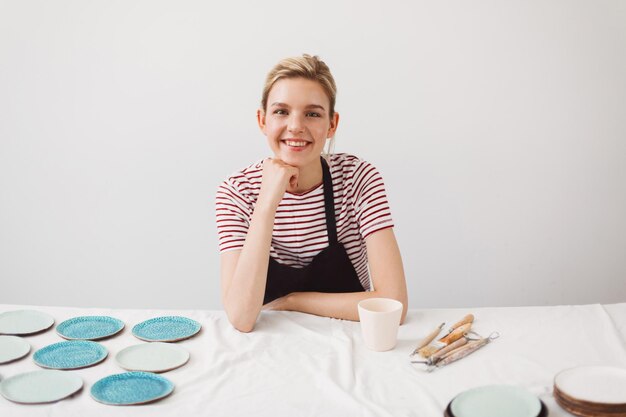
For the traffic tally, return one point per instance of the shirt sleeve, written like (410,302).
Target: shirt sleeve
(232,213)
(370,200)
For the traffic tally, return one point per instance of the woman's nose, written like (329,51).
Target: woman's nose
(296,124)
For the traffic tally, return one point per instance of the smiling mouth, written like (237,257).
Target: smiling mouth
(295,143)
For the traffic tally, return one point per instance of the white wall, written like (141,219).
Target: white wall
(499,127)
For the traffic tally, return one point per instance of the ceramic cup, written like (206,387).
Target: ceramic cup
(380,319)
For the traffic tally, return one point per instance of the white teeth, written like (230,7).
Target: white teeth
(297,143)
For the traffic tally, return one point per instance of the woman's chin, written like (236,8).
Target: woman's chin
(297,161)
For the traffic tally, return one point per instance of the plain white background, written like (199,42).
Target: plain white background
(499,127)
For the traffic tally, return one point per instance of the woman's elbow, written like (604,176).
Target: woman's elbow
(242,320)
(243,324)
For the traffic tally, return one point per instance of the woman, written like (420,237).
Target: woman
(299,231)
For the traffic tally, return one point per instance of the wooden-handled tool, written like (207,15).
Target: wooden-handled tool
(425,341)
(467,319)
(455,335)
(434,358)
(462,352)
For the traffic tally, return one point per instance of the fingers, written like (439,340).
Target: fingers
(293,181)
(278,177)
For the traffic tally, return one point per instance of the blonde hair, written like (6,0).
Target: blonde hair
(305,66)
(310,68)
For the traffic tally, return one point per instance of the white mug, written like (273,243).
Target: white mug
(380,319)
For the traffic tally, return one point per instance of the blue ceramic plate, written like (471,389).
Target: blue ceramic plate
(131,388)
(71,354)
(166,329)
(89,327)
(496,401)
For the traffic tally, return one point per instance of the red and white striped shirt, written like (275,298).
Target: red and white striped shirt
(361,208)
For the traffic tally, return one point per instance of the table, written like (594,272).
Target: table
(296,364)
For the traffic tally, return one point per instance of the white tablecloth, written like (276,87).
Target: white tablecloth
(296,364)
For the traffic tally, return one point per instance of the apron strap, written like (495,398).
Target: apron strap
(329,203)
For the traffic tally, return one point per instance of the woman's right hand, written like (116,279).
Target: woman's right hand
(278,177)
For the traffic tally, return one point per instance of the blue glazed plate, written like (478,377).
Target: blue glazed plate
(71,354)
(131,388)
(496,401)
(166,329)
(89,327)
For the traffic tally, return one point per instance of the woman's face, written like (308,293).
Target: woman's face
(297,121)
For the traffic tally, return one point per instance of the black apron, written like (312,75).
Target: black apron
(330,271)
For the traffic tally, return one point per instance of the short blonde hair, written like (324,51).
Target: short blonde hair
(308,67)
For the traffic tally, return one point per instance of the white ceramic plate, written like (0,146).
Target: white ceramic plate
(13,348)
(496,401)
(597,384)
(152,357)
(22,322)
(40,386)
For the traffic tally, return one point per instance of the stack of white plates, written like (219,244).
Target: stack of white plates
(592,391)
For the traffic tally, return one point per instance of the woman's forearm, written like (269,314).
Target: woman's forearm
(243,298)
(335,305)
(387,275)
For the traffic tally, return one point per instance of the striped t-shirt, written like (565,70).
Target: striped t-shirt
(361,208)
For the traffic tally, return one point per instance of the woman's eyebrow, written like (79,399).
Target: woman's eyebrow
(310,106)
(315,106)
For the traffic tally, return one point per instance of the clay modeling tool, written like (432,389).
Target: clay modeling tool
(467,319)
(441,353)
(456,334)
(425,341)
(459,353)
(435,357)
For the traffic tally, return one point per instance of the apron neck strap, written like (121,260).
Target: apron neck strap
(329,203)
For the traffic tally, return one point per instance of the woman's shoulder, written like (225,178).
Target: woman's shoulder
(246,180)
(349,165)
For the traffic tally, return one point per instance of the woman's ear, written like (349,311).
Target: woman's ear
(334,121)
(260,118)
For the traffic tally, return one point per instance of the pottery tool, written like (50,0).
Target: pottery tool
(468,348)
(467,319)
(425,341)
(455,335)
(435,357)
(460,353)
(441,353)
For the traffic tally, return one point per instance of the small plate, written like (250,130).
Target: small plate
(593,384)
(496,401)
(542,413)
(24,322)
(131,388)
(40,386)
(166,329)
(152,357)
(71,354)
(89,327)
(12,348)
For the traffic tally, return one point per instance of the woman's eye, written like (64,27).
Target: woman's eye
(280,111)
(313,114)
